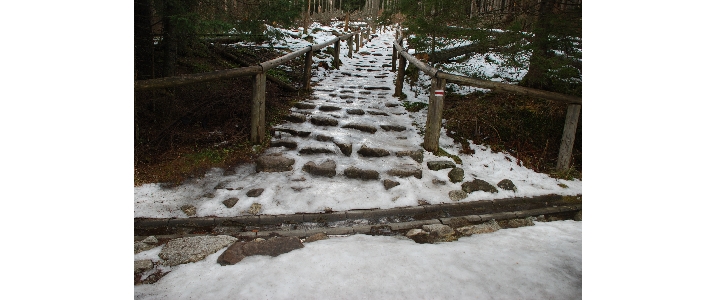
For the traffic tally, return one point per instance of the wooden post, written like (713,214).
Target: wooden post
(308,70)
(400,77)
(393,59)
(433,116)
(350,45)
(361,39)
(336,54)
(259,84)
(569,135)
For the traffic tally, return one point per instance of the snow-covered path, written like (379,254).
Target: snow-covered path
(536,262)
(352,108)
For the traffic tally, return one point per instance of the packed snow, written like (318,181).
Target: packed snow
(537,262)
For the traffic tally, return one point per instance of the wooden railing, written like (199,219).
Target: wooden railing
(259,81)
(436,100)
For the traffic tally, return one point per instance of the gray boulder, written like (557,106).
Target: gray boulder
(372,152)
(405,171)
(324,121)
(193,249)
(356,173)
(361,127)
(417,155)
(255,192)
(388,184)
(457,195)
(143,265)
(487,227)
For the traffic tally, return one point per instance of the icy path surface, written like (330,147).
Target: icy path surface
(360,92)
(537,262)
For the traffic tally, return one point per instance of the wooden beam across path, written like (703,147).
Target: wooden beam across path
(174,81)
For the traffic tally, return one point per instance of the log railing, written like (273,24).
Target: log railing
(259,81)
(436,100)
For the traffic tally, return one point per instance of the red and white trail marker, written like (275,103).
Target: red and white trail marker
(439,93)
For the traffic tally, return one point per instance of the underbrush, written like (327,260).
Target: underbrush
(527,128)
(182,132)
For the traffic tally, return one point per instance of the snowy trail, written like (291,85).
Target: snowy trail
(536,262)
(352,107)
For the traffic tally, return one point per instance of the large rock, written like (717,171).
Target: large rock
(487,227)
(456,175)
(316,237)
(324,121)
(193,249)
(329,108)
(372,152)
(283,143)
(302,105)
(355,111)
(255,192)
(313,150)
(229,203)
(507,185)
(377,113)
(438,230)
(440,164)
(296,118)
(392,127)
(254,209)
(419,236)
(274,163)
(457,195)
(388,184)
(357,173)
(405,171)
(272,247)
(516,223)
(478,185)
(346,148)
(361,127)
(417,155)
(326,169)
(188,210)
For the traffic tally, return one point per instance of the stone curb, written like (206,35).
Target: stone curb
(450,209)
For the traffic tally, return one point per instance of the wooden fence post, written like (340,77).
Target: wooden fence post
(361,39)
(433,116)
(350,45)
(259,84)
(400,77)
(308,70)
(336,54)
(393,59)
(569,135)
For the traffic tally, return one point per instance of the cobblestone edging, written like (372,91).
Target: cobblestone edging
(475,211)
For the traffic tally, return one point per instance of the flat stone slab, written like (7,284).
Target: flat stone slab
(438,230)
(274,163)
(372,152)
(193,249)
(355,111)
(313,150)
(356,173)
(296,118)
(293,132)
(478,185)
(229,203)
(329,108)
(417,155)
(440,164)
(391,104)
(324,138)
(361,127)
(303,105)
(487,227)
(346,148)
(255,192)
(326,169)
(377,113)
(388,184)
(457,195)
(143,265)
(283,143)
(405,172)
(324,121)
(392,127)
(274,246)
(377,88)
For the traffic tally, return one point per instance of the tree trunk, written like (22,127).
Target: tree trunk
(143,39)
(537,75)
(169,40)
